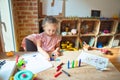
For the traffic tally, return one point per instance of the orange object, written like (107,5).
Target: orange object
(9,54)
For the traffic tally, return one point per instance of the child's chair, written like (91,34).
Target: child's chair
(30,46)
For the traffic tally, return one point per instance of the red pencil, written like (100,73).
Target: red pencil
(57,74)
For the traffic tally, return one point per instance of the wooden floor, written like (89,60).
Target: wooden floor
(115,58)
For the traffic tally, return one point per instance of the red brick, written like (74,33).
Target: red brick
(30,25)
(21,17)
(27,21)
(23,8)
(20,25)
(26,12)
(23,4)
(33,17)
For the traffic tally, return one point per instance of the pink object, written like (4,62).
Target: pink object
(59,68)
(24,75)
(17,57)
(106,31)
(74,31)
(104,50)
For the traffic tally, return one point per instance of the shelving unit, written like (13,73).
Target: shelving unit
(93,31)
(69,39)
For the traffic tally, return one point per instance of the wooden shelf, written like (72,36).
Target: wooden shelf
(88,28)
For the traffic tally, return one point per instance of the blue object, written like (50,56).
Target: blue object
(19,75)
(2,63)
(79,62)
(51,59)
(68,65)
(99,45)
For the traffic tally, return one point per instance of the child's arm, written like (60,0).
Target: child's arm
(41,50)
(57,49)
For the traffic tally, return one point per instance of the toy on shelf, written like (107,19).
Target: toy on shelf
(68,46)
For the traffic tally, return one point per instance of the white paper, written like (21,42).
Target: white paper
(36,62)
(7,70)
(94,60)
(52,10)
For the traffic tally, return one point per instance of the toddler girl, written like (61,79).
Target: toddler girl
(47,42)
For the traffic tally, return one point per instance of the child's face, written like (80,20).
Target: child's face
(50,29)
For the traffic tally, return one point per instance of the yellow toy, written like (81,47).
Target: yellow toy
(68,46)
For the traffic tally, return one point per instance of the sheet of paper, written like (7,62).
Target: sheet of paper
(94,60)
(52,10)
(7,70)
(36,62)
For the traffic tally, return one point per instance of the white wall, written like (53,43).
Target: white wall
(82,8)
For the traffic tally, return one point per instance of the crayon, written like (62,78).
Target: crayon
(57,74)
(79,62)
(76,63)
(68,65)
(66,73)
(17,57)
(58,68)
(60,65)
(73,64)
(51,59)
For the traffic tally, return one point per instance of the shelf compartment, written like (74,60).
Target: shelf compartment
(118,29)
(108,26)
(89,26)
(104,41)
(67,25)
(116,41)
(69,43)
(90,40)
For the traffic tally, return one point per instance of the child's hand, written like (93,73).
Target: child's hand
(56,52)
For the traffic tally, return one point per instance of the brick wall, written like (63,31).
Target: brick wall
(25,15)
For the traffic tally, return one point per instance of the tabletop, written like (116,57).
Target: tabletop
(84,72)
